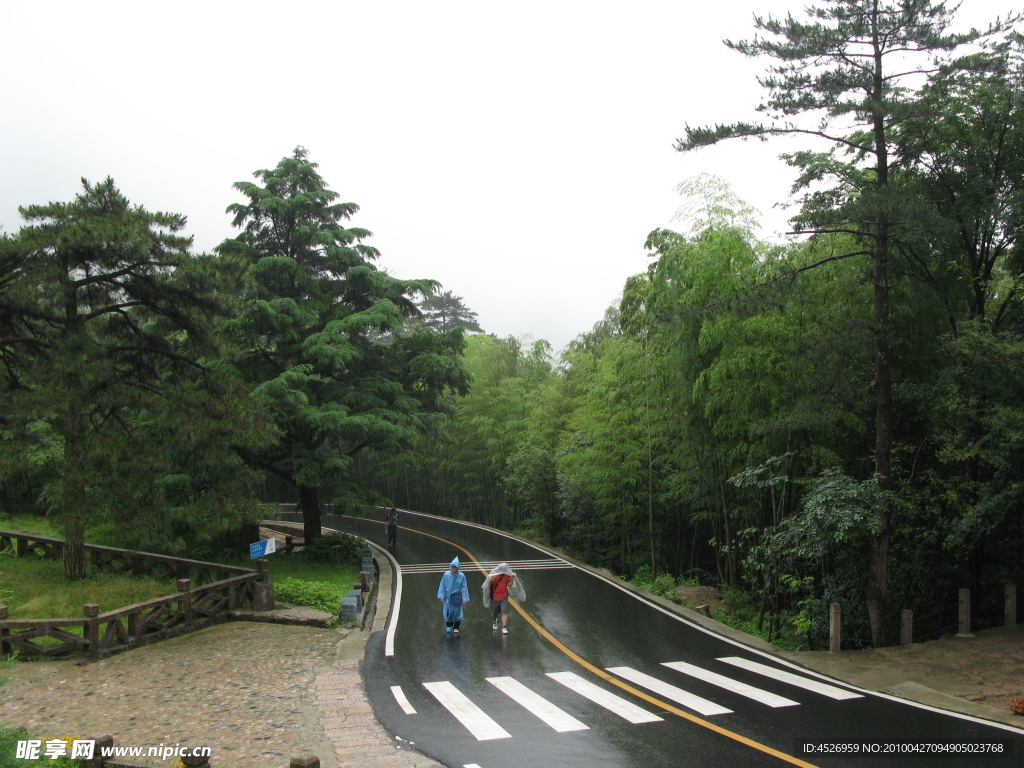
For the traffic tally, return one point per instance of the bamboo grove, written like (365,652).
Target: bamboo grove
(832,418)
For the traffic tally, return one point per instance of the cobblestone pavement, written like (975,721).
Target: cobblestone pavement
(258,694)
(241,688)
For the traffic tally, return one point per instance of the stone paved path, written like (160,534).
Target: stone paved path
(258,694)
(242,688)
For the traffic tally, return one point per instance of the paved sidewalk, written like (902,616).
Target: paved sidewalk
(975,675)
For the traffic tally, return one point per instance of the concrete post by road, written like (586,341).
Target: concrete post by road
(835,615)
(906,627)
(964,624)
(1011,605)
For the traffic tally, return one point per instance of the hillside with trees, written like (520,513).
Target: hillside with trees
(834,418)
(837,416)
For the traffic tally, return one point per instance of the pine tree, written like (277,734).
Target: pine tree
(848,66)
(320,337)
(105,303)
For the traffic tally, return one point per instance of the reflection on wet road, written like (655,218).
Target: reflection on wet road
(592,674)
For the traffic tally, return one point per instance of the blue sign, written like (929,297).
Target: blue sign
(262,548)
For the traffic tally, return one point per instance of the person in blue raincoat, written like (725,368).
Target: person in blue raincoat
(453,591)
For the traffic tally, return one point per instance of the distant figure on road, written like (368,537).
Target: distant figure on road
(392,520)
(453,591)
(497,586)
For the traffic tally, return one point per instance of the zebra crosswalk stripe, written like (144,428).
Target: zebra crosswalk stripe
(806,683)
(470,567)
(402,700)
(757,694)
(466,712)
(537,705)
(608,700)
(678,695)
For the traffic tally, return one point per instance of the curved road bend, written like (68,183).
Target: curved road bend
(592,674)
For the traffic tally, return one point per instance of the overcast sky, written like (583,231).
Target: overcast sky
(518,153)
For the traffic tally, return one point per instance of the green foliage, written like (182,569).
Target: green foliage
(321,595)
(321,338)
(335,549)
(663,585)
(116,322)
(445,311)
(35,588)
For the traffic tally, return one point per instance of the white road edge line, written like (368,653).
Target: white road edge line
(678,695)
(466,712)
(624,709)
(788,677)
(537,705)
(743,689)
(725,638)
(402,700)
(396,604)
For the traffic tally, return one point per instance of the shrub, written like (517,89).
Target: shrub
(335,549)
(312,594)
(662,585)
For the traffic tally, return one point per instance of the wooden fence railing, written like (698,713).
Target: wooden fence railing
(204,591)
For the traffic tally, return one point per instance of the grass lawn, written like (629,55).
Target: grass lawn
(33,587)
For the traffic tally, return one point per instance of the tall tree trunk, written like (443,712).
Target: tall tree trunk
(879,564)
(73,498)
(878,567)
(309,501)
(878,570)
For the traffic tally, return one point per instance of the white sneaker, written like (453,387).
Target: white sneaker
(504,630)
(456,631)
(494,624)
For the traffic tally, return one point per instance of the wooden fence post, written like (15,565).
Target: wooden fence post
(92,626)
(185,597)
(906,627)
(964,623)
(100,743)
(1010,611)
(5,647)
(196,762)
(835,616)
(263,589)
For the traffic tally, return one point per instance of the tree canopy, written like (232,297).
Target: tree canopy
(320,336)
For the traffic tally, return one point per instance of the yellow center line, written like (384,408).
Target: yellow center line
(625,686)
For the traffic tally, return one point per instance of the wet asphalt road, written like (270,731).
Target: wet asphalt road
(574,621)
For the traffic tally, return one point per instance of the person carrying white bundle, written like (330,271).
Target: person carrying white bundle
(500,584)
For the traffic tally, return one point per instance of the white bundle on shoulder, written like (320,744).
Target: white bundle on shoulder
(515,590)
